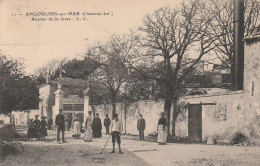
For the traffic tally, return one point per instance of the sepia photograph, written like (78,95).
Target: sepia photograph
(129,82)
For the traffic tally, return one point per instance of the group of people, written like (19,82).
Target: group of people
(37,129)
(92,128)
(95,126)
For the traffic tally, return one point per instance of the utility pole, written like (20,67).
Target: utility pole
(238,55)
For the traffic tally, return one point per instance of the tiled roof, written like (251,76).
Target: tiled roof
(70,82)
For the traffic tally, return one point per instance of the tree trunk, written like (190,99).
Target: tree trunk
(167,111)
(113,102)
(125,118)
(174,115)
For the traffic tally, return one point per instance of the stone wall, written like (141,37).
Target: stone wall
(149,109)
(222,115)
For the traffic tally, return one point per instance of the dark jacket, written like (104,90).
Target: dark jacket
(107,122)
(60,121)
(141,124)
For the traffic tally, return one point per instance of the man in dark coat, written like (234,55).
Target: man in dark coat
(141,127)
(60,124)
(107,124)
(97,127)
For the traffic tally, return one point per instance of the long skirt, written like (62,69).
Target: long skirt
(43,131)
(36,133)
(88,135)
(76,129)
(97,133)
(162,135)
(30,132)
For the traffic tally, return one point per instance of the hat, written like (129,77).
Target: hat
(43,117)
(115,115)
(97,113)
(37,115)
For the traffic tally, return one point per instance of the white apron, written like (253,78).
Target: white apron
(162,135)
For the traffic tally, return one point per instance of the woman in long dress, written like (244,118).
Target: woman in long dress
(88,128)
(76,127)
(30,129)
(162,130)
(37,128)
(97,127)
(43,125)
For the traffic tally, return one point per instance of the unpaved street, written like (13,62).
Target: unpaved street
(79,153)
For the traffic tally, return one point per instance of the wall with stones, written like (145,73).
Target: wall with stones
(149,109)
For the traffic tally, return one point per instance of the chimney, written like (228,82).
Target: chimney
(48,79)
(238,52)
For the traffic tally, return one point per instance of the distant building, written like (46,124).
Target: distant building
(73,97)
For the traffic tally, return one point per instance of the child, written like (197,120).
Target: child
(116,129)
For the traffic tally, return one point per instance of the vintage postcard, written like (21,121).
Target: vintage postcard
(129,82)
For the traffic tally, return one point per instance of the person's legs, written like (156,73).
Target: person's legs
(106,130)
(119,142)
(142,135)
(58,134)
(63,133)
(113,141)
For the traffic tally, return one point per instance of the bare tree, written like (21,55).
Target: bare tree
(52,68)
(222,25)
(180,37)
(114,57)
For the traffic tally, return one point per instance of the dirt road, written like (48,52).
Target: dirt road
(79,153)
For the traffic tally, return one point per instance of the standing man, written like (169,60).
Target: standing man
(141,127)
(107,124)
(60,124)
(116,129)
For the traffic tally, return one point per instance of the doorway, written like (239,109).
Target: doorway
(195,122)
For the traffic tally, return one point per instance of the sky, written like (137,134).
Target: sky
(38,42)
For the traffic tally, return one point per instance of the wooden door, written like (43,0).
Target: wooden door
(195,122)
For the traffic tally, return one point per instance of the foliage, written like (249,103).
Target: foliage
(79,69)
(18,92)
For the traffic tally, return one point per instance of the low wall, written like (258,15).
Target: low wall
(20,118)
(149,109)
(224,115)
